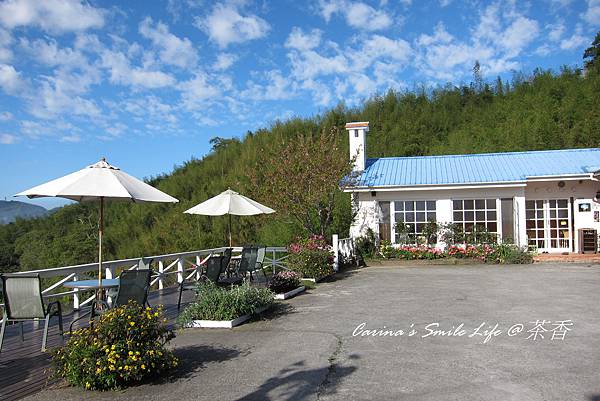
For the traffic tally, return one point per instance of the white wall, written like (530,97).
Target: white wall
(368,209)
(581,191)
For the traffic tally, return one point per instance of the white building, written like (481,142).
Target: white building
(547,200)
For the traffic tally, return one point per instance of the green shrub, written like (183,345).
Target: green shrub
(216,303)
(365,245)
(125,345)
(387,250)
(511,254)
(311,257)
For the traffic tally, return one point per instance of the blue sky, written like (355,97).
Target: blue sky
(148,83)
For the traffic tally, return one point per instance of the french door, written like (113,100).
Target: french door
(548,223)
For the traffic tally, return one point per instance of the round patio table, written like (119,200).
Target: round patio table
(92,284)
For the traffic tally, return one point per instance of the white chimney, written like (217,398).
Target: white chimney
(358,140)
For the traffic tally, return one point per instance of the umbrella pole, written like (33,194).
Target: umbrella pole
(100,232)
(230,231)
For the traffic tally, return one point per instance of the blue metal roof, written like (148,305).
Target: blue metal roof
(477,168)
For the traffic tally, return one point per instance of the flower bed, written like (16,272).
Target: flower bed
(126,345)
(285,284)
(228,307)
(502,253)
(311,257)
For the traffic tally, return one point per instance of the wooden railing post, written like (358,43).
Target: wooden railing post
(76,294)
(198,260)
(180,270)
(273,261)
(336,252)
(161,269)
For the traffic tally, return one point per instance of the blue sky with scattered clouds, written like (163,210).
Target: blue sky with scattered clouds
(148,83)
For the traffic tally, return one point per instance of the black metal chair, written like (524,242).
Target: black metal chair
(215,266)
(23,301)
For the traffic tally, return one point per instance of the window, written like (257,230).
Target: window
(356,133)
(475,215)
(415,215)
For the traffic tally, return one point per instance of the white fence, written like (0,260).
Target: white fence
(167,269)
(343,250)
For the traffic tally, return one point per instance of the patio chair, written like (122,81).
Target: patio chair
(260,259)
(134,285)
(23,301)
(215,265)
(248,261)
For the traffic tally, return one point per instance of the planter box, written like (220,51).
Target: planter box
(291,293)
(316,280)
(222,324)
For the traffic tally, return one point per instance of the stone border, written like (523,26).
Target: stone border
(291,293)
(316,280)
(222,324)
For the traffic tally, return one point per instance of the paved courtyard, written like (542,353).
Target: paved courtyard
(309,352)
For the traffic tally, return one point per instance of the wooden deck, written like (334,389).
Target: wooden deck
(24,369)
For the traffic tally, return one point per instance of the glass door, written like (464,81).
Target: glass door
(548,224)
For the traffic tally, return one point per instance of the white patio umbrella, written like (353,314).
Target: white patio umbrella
(229,202)
(99,182)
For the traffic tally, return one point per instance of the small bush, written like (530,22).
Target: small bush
(386,249)
(284,281)
(311,257)
(125,345)
(216,303)
(365,245)
(511,254)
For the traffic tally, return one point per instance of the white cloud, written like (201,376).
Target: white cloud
(445,3)
(501,35)
(575,41)
(276,87)
(357,14)
(121,72)
(224,61)
(10,79)
(8,139)
(6,116)
(440,35)
(299,40)
(198,91)
(71,138)
(172,49)
(592,14)
(225,25)
(6,41)
(518,35)
(556,31)
(54,16)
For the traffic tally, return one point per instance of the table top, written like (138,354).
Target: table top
(92,284)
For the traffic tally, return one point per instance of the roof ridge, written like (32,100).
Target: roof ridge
(488,154)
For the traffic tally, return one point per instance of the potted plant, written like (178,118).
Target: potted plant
(286,284)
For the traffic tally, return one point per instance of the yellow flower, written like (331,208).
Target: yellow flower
(98,370)
(112,347)
(87,385)
(130,352)
(132,323)
(143,366)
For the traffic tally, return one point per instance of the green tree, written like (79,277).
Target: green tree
(591,56)
(301,178)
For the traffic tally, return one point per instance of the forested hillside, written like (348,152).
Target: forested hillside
(543,110)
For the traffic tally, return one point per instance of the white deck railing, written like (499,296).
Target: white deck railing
(184,265)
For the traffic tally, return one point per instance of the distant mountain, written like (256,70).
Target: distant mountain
(11,210)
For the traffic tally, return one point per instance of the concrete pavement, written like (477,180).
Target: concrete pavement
(317,349)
